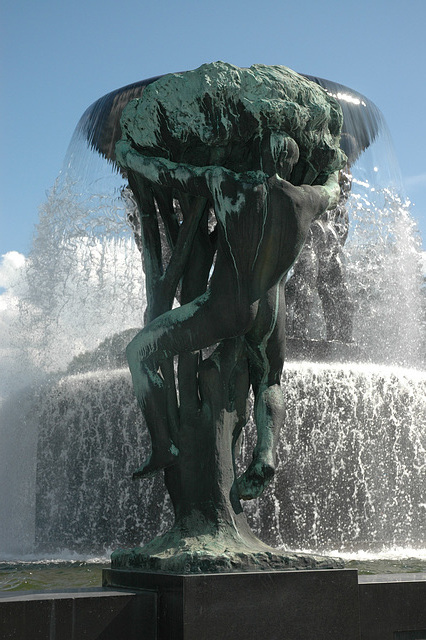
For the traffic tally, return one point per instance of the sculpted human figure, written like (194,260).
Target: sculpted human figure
(228,168)
(263,221)
(320,267)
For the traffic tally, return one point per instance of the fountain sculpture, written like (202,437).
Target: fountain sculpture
(234,147)
(346,455)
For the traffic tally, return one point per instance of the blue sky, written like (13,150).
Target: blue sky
(59,57)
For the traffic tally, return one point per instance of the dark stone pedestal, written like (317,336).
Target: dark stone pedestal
(393,607)
(82,614)
(294,605)
(287,605)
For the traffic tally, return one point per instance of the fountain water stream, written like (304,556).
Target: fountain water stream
(353,449)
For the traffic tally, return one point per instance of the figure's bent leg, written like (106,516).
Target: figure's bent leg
(266,346)
(199,324)
(150,393)
(269,413)
(207,320)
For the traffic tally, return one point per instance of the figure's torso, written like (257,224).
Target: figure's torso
(263,226)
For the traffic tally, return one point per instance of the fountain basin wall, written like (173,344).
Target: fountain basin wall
(352,459)
(351,475)
(91,440)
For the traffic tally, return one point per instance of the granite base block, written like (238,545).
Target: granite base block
(83,614)
(296,605)
(280,605)
(393,607)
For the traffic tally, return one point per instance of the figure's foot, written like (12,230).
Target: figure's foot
(257,477)
(159,459)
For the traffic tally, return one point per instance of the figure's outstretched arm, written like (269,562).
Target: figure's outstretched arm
(324,196)
(311,201)
(184,177)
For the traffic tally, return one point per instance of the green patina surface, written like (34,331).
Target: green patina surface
(213,114)
(255,154)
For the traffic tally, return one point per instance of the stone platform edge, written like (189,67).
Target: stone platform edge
(370,607)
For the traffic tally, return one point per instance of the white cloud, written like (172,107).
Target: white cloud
(424,262)
(13,281)
(14,365)
(11,270)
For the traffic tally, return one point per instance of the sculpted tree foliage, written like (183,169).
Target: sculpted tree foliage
(232,165)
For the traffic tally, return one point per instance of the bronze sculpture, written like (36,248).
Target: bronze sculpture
(252,156)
